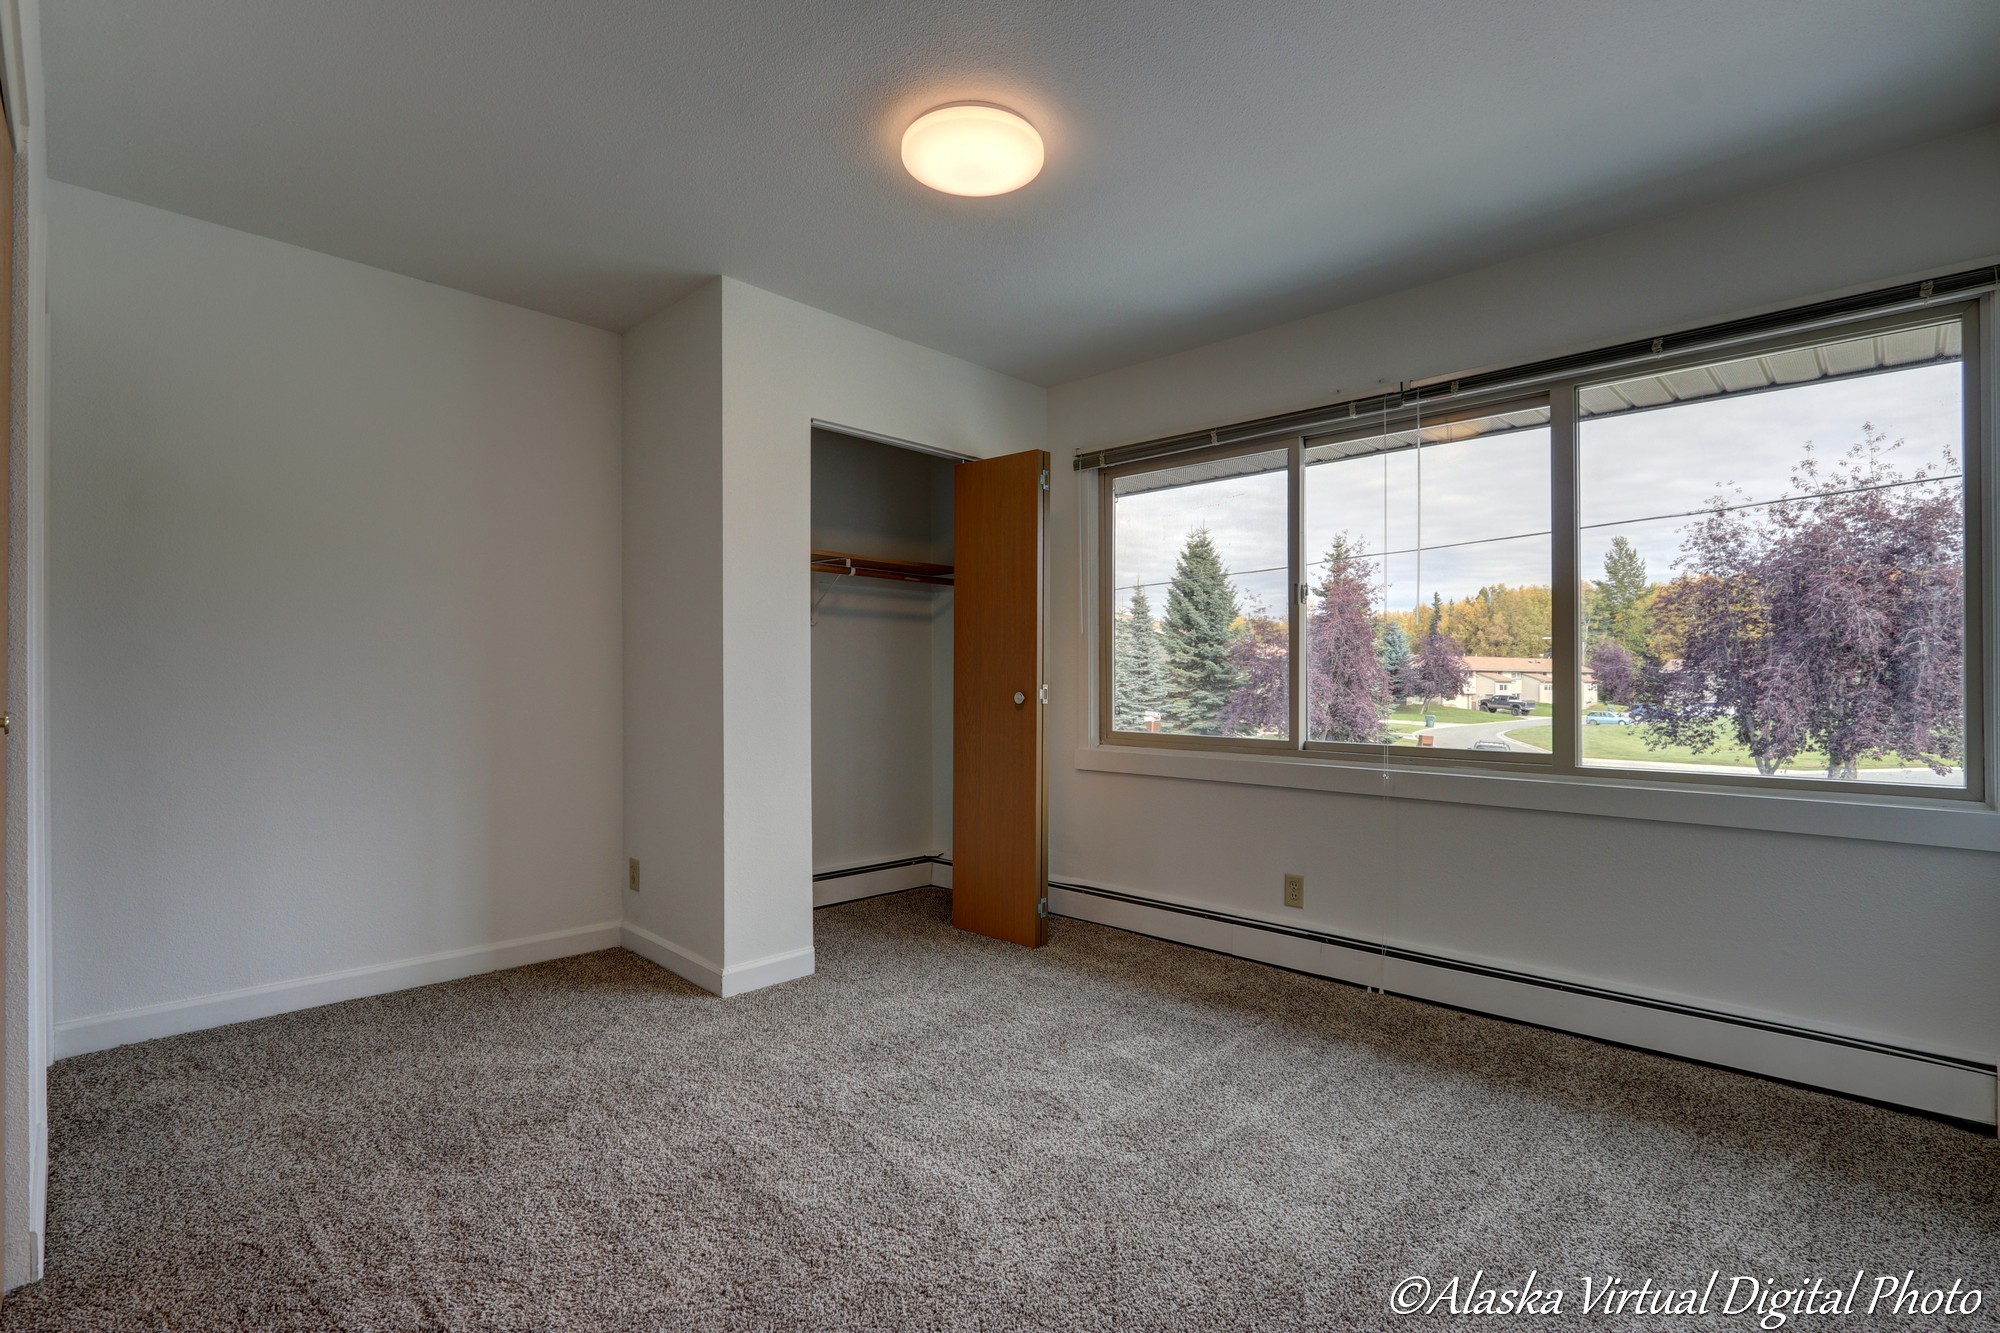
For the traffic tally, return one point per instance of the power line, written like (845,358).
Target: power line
(1581,527)
(1442,546)
(1766,504)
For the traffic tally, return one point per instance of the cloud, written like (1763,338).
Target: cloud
(1485,502)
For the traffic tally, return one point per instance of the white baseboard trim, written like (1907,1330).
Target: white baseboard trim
(848,886)
(97,1032)
(769,971)
(1838,1062)
(723,981)
(683,963)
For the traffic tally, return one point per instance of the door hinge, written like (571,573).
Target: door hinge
(1042,907)
(1041,694)
(1045,478)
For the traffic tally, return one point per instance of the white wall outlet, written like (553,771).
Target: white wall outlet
(1295,890)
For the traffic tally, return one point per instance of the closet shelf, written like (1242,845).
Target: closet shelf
(873,567)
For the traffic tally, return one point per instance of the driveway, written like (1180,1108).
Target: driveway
(1461,735)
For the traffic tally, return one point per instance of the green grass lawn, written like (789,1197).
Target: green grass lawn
(1629,743)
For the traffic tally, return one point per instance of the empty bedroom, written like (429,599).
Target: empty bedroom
(1000,665)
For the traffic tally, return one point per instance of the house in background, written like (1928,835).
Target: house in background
(1530,679)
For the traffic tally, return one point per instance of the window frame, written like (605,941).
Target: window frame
(1107,600)
(1559,681)
(1565,760)
(1976,553)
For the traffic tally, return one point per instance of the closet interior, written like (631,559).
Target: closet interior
(882,597)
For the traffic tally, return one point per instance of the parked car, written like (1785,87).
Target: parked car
(1501,746)
(1642,712)
(1606,719)
(1506,703)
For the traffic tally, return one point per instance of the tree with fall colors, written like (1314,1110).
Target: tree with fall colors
(1499,620)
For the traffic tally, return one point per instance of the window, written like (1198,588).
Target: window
(1200,617)
(1427,580)
(1773,554)
(1423,570)
(1759,567)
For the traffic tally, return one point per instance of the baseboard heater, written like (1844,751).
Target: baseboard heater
(853,883)
(1950,1086)
(1945,1085)
(821,876)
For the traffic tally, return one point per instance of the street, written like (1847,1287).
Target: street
(1461,735)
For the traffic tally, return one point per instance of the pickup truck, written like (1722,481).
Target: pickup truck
(1506,703)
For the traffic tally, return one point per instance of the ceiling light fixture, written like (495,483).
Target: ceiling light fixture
(972,149)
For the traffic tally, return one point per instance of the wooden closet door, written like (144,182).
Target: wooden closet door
(6,421)
(999,808)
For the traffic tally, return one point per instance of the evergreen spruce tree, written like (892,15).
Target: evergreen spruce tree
(1392,646)
(1138,666)
(1201,608)
(1620,606)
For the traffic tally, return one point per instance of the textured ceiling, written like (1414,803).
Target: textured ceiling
(1213,167)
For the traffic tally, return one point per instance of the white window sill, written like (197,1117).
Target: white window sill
(1932,823)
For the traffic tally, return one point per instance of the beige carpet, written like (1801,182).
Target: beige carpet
(939,1131)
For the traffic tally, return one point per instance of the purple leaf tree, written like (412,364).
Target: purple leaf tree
(1832,622)
(1615,671)
(1348,688)
(1347,685)
(1261,657)
(1438,670)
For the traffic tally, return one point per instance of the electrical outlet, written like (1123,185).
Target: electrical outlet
(632,874)
(1295,890)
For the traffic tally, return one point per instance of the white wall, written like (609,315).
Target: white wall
(1908,214)
(877,670)
(782,365)
(673,611)
(27,1032)
(334,625)
(785,364)
(1881,939)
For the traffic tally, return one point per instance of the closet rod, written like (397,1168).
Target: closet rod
(874,567)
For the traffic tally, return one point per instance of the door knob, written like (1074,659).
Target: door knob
(1019,698)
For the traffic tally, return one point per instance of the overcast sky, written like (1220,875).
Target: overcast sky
(1641,473)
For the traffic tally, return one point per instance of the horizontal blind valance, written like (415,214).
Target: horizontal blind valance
(1399,406)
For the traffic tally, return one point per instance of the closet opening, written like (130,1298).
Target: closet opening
(928,685)
(882,601)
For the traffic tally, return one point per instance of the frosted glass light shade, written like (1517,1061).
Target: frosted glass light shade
(972,150)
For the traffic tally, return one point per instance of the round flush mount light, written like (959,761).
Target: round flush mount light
(970,148)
